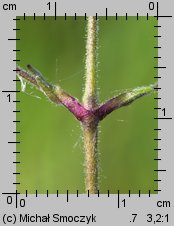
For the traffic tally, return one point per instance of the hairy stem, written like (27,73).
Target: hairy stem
(90,124)
(90,135)
(124,99)
(90,93)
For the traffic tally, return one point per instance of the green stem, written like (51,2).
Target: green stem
(90,123)
(90,136)
(90,93)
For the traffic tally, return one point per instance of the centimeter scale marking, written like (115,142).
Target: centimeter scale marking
(157,16)
(15,194)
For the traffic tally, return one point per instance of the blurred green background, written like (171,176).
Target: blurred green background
(51,144)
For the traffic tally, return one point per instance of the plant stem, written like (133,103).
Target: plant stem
(90,123)
(90,93)
(90,136)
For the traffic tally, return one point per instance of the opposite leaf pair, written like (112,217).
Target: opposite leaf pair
(58,96)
